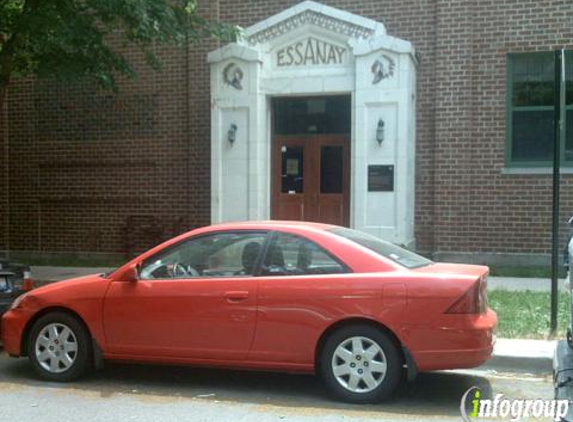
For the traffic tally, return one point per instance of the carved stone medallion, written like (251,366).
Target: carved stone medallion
(233,76)
(383,68)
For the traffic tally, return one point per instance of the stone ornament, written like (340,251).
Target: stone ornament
(311,51)
(233,76)
(312,18)
(383,68)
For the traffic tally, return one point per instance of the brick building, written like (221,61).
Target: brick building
(434,116)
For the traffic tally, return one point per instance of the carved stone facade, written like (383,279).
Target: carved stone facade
(313,18)
(314,50)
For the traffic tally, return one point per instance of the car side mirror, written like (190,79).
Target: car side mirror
(131,274)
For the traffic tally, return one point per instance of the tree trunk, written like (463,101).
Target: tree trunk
(6,66)
(3,91)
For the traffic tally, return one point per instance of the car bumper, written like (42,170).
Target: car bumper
(12,326)
(463,343)
(453,359)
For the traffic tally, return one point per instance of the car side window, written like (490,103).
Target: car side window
(293,255)
(226,254)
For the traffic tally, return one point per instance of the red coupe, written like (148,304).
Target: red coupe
(285,296)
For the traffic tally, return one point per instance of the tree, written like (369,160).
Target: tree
(71,39)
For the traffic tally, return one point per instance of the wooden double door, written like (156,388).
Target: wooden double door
(311,178)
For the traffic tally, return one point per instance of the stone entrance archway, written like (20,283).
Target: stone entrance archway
(313,49)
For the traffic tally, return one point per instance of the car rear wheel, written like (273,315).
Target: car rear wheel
(59,347)
(360,364)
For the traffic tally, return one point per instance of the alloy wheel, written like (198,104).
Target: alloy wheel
(359,364)
(56,348)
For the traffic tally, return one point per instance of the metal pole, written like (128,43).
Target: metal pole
(570,277)
(558,120)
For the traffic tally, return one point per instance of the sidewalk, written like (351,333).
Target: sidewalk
(516,284)
(523,355)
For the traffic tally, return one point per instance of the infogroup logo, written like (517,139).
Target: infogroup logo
(474,407)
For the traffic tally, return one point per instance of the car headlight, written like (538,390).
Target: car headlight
(18,301)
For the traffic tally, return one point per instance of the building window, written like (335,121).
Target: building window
(530,108)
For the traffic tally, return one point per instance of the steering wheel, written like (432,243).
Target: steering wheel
(181,271)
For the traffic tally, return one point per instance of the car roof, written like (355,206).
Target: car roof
(271,225)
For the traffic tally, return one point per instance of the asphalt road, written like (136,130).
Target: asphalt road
(161,394)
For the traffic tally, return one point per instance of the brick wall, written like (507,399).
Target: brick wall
(3,174)
(86,165)
(509,212)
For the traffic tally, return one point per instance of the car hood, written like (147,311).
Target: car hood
(70,284)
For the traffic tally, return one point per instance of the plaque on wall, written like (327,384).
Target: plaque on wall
(380,178)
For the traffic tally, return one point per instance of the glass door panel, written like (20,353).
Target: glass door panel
(331,169)
(292,173)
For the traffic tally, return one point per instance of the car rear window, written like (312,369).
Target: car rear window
(388,250)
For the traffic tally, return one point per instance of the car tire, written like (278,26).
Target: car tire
(360,364)
(59,347)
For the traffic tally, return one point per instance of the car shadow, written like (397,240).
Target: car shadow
(436,393)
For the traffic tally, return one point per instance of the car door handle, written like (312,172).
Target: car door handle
(235,296)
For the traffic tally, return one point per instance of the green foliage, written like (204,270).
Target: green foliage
(71,39)
(527,314)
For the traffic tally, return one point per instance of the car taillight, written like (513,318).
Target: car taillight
(474,301)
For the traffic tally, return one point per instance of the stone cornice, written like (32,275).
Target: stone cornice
(309,17)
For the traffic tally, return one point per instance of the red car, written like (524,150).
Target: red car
(285,296)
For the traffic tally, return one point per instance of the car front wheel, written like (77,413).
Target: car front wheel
(360,364)
(59,347)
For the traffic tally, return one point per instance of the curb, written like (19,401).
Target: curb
(520,364)
(523,355)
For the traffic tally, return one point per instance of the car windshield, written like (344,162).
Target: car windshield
(388,250)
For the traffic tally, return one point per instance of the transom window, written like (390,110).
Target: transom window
(312,115)
(530,109)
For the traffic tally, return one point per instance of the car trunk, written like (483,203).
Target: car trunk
(477,271)
(474,300)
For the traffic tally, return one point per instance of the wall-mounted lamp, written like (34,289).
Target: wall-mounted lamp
(232,133)
(380,132)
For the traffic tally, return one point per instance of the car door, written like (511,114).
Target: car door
(195,300)
(298,286)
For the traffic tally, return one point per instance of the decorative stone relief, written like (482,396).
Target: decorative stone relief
(383,68)
(311,51)
(233,76)
(312,18)
(315,50)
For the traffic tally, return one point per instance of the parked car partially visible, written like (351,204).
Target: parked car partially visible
(12,283)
